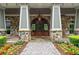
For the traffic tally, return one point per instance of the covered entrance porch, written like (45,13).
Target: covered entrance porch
(42,20)
(54,21)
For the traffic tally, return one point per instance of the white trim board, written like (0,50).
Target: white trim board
(27,17)
(23,29)
(53,18)
(2,29)
(12,15)
(69,14)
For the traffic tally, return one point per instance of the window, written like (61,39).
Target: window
(71,27)
(33,26)
(45,27)
(8,24)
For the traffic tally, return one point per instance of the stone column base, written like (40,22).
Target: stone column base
(2,32)
(77,32)
(25,35)
(55,35)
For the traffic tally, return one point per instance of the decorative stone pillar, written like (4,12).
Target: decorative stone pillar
(56,26)
(2,21)
(77,22)
(24,24)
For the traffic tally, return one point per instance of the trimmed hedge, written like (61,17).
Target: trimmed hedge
(74,39)
(3,40)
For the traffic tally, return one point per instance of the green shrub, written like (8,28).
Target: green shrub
(3,40)
(19,42)
(74,39)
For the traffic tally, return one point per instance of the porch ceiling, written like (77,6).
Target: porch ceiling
(38,5)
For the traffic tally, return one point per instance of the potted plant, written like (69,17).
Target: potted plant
(8,31)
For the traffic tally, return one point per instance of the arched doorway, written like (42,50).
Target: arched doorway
(40,27)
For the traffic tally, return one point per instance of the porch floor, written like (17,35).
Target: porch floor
(40,46)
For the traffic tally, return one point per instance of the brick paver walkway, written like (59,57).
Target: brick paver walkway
(40,47)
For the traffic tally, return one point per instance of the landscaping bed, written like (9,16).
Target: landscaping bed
(67,49)
(13,49)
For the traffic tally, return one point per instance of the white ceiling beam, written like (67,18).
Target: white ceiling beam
(40,5)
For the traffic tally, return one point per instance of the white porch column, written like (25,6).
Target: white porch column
(24,24)
(56,26)
(2,21)
(77,21)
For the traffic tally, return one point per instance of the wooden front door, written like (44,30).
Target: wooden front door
(40,27)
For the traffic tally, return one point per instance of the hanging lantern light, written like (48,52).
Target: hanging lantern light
(39,17)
